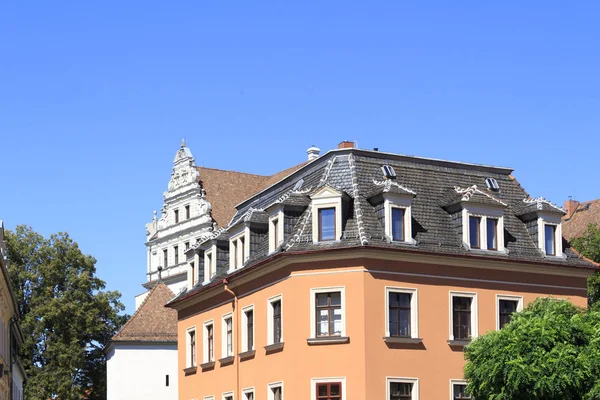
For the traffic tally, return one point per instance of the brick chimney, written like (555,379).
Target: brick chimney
(346,145)
(570,206)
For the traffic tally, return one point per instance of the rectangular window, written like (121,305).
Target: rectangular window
(208,266)
(549,239)
(167,380)
(242,244)
(275,392)
(187,245)
(227,347)
(275,332)
(192,348)
(399,314)
(193,272)
(176,251)
(187,212)
(248,329)
(329,391)
(176,216)
(276,232)
(165,258)
(492,233)
(328,314)
(327,224)
(459,391)
(397,224)
(505,310)
(461,316)
(248,394)
(474,223)
(228,396)
(209,343)
(402,389)
(234,254)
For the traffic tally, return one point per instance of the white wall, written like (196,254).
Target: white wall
(138,371)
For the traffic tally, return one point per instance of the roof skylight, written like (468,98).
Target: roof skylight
(492,184)
(388,172)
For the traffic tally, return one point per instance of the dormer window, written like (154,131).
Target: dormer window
(327,204)
(238,250)
(388,172)
(394,208)
(275,229)
(543,221)
(398,224)
(210,264)
(327,224)
(492,233)
(475,232)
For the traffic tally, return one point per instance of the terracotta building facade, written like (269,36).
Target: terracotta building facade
(363,275)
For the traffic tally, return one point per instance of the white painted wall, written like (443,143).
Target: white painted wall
(138,371)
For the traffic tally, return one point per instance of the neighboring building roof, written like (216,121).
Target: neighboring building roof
(226,189)
(353,172)
(579,217)
(152,321)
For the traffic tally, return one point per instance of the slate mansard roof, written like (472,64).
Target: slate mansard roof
(434,185)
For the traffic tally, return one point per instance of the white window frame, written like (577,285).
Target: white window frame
(327,197)
(209,397)
(210,269)
(393,379)
(270,326)
(455,382)
(273,385)
(554,220)
(276,215)
(205,358)
(224,335)
(314,381)
(313,294)
(226,394)
(512,297)
(235,248)
(474,312)
(248,391)
(188,356)
(484,213)
(403,203)
(245,329)
(414,310)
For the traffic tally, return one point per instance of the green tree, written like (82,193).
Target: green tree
(588,245)
(550,350)
(66,316)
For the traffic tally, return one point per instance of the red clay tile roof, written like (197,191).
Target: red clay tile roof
(152,321)
(585,214)
(226,189)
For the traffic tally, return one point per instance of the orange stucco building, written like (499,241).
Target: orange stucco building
(363,275)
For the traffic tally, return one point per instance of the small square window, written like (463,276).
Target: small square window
(402,389)
(327,224)
(459,391)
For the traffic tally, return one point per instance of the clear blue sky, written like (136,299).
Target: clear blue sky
(95,98)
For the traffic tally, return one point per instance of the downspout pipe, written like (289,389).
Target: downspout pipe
(237,335)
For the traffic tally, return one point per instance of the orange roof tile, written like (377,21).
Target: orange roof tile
(152,321)
(585,214)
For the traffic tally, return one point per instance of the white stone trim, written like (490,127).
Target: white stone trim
(248,390)
(327,197)
(188,356)
(205,325)
(455,382)
(227,394)
(314,381)
(554,220)
(414,381)
(405,203)
(209,397)
(313,293)
(245,328)
(414,311)
(517,298)
(276,215)
(224,352)
(484,213)
(210,268)
(237,258)
(474,316)
(270,301)
(270,388)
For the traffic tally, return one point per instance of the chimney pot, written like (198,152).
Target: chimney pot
(346,144)
(313,153)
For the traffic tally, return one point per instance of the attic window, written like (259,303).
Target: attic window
(492,184)
(388,172)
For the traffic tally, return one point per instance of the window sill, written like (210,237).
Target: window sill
(399,339)
(328,340)
(275,347)
(459,343)
(208,365)
(226,360)
(247,355)
(189,370)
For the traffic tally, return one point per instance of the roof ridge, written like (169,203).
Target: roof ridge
(357,207)
(237,172)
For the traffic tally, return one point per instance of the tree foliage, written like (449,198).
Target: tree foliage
(550,350)
(588,245)
(66,316)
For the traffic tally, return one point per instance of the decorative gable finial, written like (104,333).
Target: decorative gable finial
(182,143)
